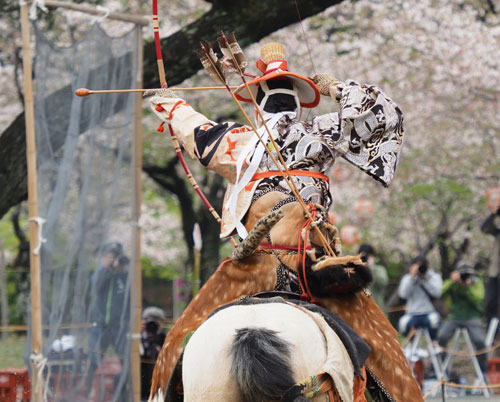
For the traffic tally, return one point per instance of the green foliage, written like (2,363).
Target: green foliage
(17,276)
(439,190)
(17,296)
(395,269)
(151,270)
(9,242)
(11,350)
(151,196)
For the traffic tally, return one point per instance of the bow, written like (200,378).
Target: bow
(163,82)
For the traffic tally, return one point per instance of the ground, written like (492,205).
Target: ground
(11,350)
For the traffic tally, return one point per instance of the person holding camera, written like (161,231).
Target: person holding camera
(419,287)
(108,306)
(464,294)
(152,338)
(491,226)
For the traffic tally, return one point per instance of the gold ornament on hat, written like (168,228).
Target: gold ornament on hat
(272,52)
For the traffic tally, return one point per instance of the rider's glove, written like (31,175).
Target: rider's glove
(328,85)
(163,92)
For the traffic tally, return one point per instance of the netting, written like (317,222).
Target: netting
(85,193)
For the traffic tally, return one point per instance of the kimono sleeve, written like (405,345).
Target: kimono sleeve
(216,145)
(367,131)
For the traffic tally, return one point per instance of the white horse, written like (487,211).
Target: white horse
(257,352)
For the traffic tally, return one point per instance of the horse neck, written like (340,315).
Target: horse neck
(286,231)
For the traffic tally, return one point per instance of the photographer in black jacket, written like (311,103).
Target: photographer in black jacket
(109,307)
(152,338)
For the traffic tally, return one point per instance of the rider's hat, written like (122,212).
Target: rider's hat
(273,65)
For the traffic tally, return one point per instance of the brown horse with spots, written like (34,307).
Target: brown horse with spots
(258,272)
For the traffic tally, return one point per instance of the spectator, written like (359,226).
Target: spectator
(109,307)
(418,287)
(380,277)
(152,338)
(492,303)
(465,295)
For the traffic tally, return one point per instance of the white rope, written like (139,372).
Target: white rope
(39,221)
(138,223)
(39,362)
(37,4)
(134,337)
(100,18)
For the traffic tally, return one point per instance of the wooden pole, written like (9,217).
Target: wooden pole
(197,246)
(36,311)
(136,308)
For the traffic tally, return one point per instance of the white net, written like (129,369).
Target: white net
(85,195)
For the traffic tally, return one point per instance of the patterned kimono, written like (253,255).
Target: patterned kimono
(367,132)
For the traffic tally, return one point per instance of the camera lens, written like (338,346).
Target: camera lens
(151,327)
(464,277)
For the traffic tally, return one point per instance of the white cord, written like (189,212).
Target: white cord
(35,4)
(138,223)
(39,364)
(101,17)
(39,221)
(134,337)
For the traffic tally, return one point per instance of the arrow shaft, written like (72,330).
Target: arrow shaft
(85,91)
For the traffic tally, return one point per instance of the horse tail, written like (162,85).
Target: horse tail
(261,364)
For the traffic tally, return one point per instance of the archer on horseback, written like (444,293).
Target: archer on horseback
(281,202)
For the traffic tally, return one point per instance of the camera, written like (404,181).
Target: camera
(422,269)
(464,276)
(466,272)
(423,264)
(151,328)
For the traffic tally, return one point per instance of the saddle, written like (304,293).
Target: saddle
(356,347)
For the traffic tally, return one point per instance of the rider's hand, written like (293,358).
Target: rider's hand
(163,102)
(455,277)
(414,270)
(163,92)
(327,84)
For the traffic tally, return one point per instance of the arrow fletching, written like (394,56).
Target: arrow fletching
(229,45)
(211,63)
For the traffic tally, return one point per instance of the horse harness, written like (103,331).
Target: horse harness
(287,278)
(313,386)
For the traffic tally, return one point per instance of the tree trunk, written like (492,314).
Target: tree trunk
(4,302)
(251,22)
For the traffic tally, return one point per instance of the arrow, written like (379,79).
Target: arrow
(86,91)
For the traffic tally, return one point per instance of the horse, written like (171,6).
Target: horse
(267,352)
(253,269)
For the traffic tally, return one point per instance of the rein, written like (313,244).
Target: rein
(281,247)
(306,293)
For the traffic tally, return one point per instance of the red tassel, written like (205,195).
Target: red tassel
(159,108)
(160,128)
